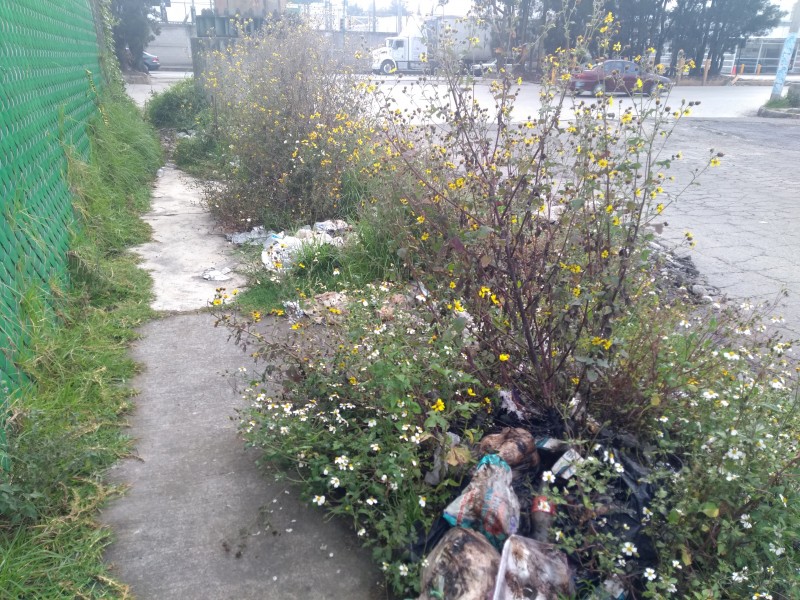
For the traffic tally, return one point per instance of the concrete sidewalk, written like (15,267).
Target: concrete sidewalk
(199,520)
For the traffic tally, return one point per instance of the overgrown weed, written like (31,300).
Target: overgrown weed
(67,418)
(293,128)
(535,302)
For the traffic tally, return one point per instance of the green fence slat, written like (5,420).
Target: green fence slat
(46,46)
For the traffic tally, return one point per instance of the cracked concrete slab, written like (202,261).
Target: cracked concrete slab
(199,520)
(744,214)
(185,244)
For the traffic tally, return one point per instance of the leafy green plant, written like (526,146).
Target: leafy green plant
(527,243)
(292,121)
(728,523)
(178,107)
(66,421)
(361,427)
(198,155)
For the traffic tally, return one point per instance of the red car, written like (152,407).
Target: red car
(618,76)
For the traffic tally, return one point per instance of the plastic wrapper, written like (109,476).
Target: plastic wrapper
(514,445)
(462,566)
(532,570)
(488,504)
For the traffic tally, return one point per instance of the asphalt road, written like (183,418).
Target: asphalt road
(715,101)
(744,214)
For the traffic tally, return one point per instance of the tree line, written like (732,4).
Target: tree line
(699,28)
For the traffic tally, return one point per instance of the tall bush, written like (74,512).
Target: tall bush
(535,300)
(537,223)
(292,120)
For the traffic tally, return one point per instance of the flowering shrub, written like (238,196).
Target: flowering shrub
(526,239)
(363,423)
(720,467)
(728,521)
(538,224)
(178,107)
(293,122)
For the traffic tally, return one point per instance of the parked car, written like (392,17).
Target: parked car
(490,68)
(618,76)
(151,61)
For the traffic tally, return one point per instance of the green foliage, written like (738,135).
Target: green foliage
(695,28)
(178,107)
(790,100)
(793,96)
(198,155)
(728,517)
(527,242)
(65,425)
(62,558)
(369,254)
(290,118)
(362,426)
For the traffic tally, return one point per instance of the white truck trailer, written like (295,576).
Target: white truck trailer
(418,50)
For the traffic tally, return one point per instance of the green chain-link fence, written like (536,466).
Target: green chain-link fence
(48,50)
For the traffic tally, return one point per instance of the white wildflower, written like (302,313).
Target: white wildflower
(628,549)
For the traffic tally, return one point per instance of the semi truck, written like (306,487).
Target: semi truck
(422,49)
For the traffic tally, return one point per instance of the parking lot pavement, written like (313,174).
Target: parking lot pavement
(745,213)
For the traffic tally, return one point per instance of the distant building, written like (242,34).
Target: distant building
(761,54)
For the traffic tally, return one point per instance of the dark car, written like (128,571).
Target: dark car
(618,76)
(151,61)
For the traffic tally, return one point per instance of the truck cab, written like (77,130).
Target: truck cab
(400,54)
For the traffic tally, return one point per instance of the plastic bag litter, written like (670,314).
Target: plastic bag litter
(462,566)
(257,235)
(488,504)
(516,446)
(331,227)
(532,570)
(280,255)
(214,274)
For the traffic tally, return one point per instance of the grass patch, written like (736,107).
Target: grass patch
(65,428)
(779,103)
(198,156)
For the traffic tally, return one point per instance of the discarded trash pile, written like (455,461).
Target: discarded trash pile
(280,249)
(497,544)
